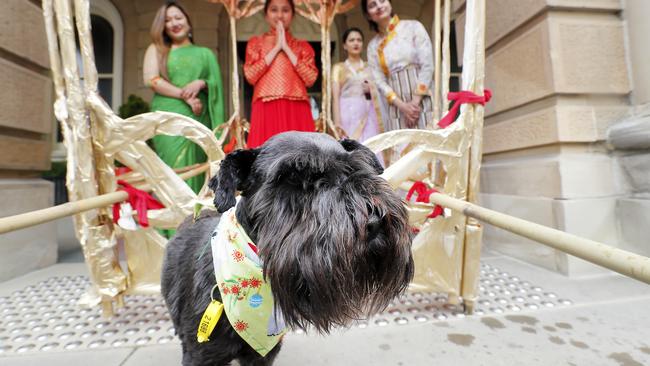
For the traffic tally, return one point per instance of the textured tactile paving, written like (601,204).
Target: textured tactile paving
(45,317)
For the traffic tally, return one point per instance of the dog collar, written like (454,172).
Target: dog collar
(246,296)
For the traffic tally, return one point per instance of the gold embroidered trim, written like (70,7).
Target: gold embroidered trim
(391,34)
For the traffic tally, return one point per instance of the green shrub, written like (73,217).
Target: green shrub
(57,170)
(133,106)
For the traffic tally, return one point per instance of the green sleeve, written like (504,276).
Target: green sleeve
(214,84)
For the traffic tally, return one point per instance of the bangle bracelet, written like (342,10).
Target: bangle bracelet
(391,97)
(154,80)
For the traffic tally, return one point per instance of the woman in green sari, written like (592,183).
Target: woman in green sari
(186,79)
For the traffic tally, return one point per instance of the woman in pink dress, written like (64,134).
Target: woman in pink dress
(354,95)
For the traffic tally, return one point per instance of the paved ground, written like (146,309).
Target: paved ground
(527,316)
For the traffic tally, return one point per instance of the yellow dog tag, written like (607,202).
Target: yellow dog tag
(209,320)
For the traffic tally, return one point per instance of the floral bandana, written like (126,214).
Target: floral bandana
(246,296)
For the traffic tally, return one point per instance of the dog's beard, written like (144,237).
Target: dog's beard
(324,264)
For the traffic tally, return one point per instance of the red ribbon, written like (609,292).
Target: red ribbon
(230,146)
(122,170)
(461,98)
(423,196)
(141,201)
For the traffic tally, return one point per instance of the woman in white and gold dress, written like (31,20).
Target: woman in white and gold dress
(354,95)
(401,59)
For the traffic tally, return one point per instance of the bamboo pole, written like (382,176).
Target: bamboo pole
(137,178)
(437,59)
(326,59)
(237,128)
(326,65)
(618,260)
(235,71)
(446,58)
(473,79)
(184,176)
(17,222)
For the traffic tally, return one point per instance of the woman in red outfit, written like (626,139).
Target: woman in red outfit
(280,68)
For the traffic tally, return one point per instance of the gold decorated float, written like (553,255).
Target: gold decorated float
(446,248)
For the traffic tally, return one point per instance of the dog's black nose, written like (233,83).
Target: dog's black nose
(374,226)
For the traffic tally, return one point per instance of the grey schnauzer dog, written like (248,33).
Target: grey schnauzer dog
(332,235)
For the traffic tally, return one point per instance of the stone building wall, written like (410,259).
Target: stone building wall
(26,123)
(636,14)
(560,77)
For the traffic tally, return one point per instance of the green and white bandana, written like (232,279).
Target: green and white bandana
(247,298)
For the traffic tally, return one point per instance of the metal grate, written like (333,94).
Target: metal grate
(45,316)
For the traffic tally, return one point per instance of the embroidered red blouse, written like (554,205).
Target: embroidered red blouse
(280,80)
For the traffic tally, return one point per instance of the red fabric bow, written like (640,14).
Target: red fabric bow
(141,201)
(423,196)
(461,98)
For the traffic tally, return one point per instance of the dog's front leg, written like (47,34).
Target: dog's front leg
(198,357)
(251,358)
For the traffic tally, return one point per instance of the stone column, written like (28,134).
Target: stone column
(630,139)
(26,123)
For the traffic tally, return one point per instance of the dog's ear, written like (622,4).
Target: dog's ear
(234,170)
(356,147)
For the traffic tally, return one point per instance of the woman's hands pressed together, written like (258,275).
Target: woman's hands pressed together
(284,46)
(281,43)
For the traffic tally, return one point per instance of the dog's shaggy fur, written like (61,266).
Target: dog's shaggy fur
(332,235)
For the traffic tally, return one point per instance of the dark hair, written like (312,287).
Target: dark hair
(267,3)
(373,25)
(349,31)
